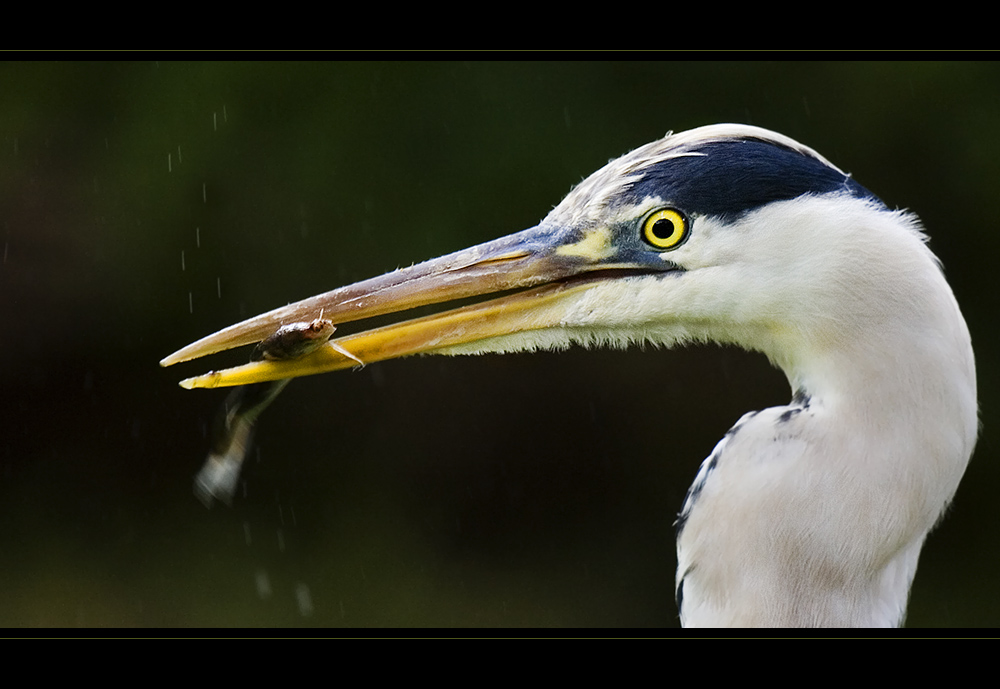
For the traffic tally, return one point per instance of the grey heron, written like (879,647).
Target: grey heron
(808,514)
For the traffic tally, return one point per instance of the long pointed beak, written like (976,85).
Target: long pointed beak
(553,264)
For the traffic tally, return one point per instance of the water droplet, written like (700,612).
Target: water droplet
(263,584)
(304,599)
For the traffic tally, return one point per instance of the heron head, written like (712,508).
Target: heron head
(728,233)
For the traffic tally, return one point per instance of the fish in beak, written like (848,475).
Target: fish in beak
(539,280)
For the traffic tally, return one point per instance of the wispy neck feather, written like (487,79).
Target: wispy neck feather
(814,514)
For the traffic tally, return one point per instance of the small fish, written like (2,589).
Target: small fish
(235,424)
(294,340)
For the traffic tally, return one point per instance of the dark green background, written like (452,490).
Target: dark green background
(535,489)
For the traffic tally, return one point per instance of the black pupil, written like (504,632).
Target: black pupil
(663,228)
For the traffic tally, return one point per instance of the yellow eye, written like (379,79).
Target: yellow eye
(665,229)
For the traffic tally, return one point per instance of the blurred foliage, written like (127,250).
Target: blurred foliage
(143,205)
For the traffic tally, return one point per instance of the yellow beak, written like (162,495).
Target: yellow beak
(553,265)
